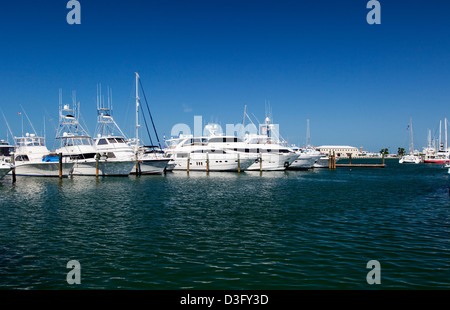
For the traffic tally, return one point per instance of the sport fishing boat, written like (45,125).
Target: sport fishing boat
(32,158)
(79,147)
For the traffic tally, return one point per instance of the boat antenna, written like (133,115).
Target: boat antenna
(7,125)
(28,121)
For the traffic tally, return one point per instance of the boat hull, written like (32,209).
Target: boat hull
(105,168)
(275,162)
(304,162)
(4,171)
(212,163)
(152,166)
(43,169)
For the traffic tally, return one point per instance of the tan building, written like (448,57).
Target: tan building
(339,150)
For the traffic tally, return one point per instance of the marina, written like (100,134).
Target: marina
(313,229)
(225,152)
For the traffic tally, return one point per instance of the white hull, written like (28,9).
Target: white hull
(323,162)
(152,166)
(275,162)
(199,162)
(304,161)
(105,168)
(410,159)
(43,169)
(4,171)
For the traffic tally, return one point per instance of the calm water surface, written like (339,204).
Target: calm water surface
(279,230)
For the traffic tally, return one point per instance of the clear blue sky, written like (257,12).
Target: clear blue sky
(359,84)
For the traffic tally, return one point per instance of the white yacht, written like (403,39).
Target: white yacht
(270,154)
(77,145)
(32,158)
(189,153)
(306,160)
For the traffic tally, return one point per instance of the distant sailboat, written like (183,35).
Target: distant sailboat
(411,158)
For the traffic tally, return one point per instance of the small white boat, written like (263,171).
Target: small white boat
(5,167)
(412,157)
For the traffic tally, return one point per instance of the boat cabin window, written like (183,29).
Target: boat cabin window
(102,142)
(111,140)
(22,158)
(120,140)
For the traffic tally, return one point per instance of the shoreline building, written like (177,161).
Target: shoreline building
(340,151)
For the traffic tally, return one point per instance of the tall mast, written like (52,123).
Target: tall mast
(137,111)
(440,130)
(308,137)
(445,125)
(412,141)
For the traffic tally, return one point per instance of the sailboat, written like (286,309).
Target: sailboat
(440,155)
(411,158)
(150,160)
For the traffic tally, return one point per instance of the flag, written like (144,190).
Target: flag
(407,127)
(19,113)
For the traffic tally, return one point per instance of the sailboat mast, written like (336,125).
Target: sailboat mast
(137,111)
(308,137)
(412,141)
(440,134)
(445,125)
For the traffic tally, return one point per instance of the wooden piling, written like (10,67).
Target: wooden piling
(97,157)
(260,162)
(239,163)
(60,165)
(188,162)
(137,164)
(13,162)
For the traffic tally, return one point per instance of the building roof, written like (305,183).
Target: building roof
(337,147)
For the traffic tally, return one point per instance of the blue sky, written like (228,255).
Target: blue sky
(359,84)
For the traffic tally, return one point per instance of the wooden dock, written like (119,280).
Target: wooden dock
(360,165)
(332,163)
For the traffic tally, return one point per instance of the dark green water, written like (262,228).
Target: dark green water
(279,230)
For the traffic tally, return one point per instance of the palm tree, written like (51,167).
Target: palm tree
(384,151)
(401,151)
